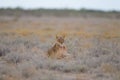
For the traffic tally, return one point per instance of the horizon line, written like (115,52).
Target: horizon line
(66,8)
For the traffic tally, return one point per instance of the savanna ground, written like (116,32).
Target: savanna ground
(94,43)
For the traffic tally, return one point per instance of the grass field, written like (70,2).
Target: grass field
(94,43)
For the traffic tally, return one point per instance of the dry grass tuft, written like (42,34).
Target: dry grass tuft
(108,68)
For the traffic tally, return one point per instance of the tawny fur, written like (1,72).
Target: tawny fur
(59,50)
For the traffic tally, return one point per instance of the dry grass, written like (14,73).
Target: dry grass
(94,48)
(107,68)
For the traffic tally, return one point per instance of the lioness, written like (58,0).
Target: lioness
(59,50)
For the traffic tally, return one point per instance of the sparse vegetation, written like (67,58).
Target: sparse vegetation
(93,42)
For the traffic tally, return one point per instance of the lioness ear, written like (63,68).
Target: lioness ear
(63,35)
(57,37)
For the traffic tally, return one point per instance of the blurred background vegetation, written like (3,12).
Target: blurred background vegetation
(60,12)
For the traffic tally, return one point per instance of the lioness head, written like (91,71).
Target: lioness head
(60,38)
